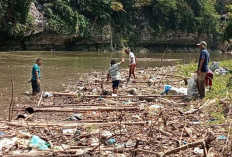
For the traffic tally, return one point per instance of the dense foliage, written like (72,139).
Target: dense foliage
(126,18)
(228,30)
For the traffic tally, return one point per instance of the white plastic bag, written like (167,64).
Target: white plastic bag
(192,86)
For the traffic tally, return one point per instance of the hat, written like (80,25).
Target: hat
(112,62)
(203,43)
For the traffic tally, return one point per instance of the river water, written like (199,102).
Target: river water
(60,68)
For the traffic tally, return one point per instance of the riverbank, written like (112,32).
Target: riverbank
(85,119)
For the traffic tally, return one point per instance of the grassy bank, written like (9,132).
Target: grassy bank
(221,86)
(221,90)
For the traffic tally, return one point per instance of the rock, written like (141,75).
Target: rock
(39,20)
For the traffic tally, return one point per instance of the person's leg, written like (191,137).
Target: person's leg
(133,71)
(198,83)
(130,71)
(115,86)
(201,84)
(34,87)
(115,91)
(202,88)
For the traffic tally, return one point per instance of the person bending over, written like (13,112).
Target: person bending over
(114,73)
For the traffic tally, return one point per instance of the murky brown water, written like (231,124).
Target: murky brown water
(59,68)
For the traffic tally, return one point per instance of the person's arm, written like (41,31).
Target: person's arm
(37,77)
(200,66)
(122,61)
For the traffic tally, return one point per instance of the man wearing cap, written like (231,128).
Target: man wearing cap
(114,73)
(132,64)
(202,68)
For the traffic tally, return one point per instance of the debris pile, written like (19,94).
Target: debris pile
(86,120)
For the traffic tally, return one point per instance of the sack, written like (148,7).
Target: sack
(192,86)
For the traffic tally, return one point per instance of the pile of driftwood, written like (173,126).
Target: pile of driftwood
(85,120)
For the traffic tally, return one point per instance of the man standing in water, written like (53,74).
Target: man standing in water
(202,68)
(35,80)
(132,63)
(114,73)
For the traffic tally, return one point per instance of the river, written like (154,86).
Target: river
(60,68)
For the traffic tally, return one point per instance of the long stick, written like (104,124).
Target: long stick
(12,99)
(123,96)
(60,109)
(40,99)
(72,124)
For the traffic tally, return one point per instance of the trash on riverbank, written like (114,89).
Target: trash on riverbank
(139,121)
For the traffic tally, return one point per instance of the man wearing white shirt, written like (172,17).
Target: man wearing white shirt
(132,63)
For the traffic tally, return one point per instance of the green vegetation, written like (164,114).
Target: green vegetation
(127,18)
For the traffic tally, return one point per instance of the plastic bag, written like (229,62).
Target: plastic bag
(192,87)
(166,89)
(7,143)
(37,142)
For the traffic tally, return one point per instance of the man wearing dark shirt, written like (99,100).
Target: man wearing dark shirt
(202,68)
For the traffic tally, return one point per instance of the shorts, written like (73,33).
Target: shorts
(132,68)
(115,84)
(35,86)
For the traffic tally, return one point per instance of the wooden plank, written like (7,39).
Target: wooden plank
(70,124)
(121,96)
(81,109)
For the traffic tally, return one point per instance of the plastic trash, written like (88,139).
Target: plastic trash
(47,95)
(94,90)
(94,142)
(166,89)
(106,134)
(110,141)
(37,142)
(214,66)
(150,82)
(192,86)
(221,71)
(222,137)
(130,143)
(195,122)
(198,150)
(177,91)
(154,108)
(217,69)
(69,131)
(114,94)
(62,147)
(1,133)
(75,117)
(7,143)
(78,132)
(184,142)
